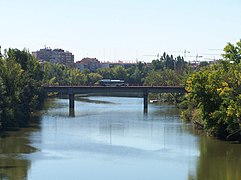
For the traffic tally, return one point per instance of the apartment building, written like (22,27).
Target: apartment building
(55,56)
(88,63)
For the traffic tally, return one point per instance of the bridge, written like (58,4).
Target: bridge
(110,90)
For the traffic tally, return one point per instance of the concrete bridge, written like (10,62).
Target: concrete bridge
(110,90)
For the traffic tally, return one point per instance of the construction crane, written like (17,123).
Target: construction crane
(214,55)
(184,53)
(211,59)
(196,58)
(152,55)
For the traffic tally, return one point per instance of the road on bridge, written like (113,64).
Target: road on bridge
(108,90)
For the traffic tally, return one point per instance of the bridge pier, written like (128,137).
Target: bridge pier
(71,113)
(145,97)
(140,90)
(71,104)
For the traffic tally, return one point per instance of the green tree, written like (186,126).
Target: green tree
(93,78)
(20,86)
(59,74)
(119,72)
(136,77)
(166,77)
(28,63)
(215,91)
(77,78)
(106,73)
(232,52)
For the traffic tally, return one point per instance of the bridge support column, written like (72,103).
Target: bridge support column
(71,104)
(145,96)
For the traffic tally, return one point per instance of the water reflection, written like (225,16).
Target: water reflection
(114,136)
(218,160)
(13,145)
(111,138)
(71,112)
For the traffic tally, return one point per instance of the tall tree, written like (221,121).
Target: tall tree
(233,52)
(20,86)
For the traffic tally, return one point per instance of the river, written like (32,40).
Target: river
(110,138)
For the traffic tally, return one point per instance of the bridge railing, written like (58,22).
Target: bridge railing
(98,85)
(87,85)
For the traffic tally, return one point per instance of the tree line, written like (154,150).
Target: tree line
(171,69)
(22,78)
(165,71)
(214,98)
(214,91)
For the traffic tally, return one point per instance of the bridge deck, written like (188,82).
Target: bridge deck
(109,89)
(140,90)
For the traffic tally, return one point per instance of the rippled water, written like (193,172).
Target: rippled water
(111,138)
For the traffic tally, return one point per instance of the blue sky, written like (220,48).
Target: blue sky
(121,30)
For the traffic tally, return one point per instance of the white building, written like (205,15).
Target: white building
(55,56)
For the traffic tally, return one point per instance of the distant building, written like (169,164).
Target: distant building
(80,66)
(93,64)
(119,63)
(69,59)
(105,65)
(43,54)
(127,65)
(88,63)
(55,56)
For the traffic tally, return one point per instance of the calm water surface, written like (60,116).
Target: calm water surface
(111,139)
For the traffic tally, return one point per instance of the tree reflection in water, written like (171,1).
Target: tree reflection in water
(12,146)
(218,160)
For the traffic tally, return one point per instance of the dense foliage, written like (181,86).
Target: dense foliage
(20,87)
(171,70)
(22,77)
(166,71)
(60,74)
(214,99)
